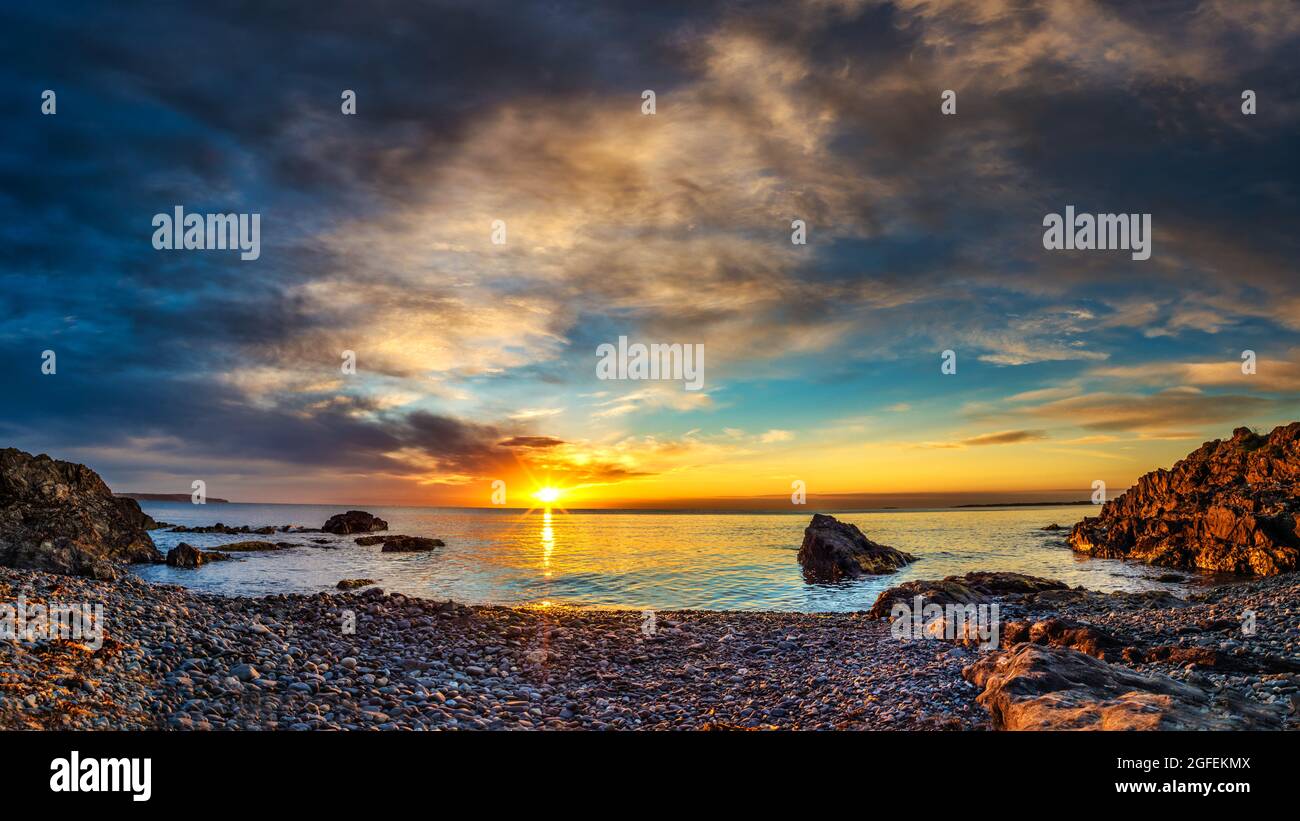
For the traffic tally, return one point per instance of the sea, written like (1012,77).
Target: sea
(632,560)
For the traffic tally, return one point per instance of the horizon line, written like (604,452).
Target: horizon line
(821,503)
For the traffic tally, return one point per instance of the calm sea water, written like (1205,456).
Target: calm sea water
(630,560)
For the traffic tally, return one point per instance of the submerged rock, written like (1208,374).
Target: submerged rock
(410,544)
(255,546)
(1035,687)
(225,529)
(353,584)
(61,517)
(354,521)
(833,550)
(1230,506)
(394,543)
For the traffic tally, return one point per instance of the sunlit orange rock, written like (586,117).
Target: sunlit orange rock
(1230,506)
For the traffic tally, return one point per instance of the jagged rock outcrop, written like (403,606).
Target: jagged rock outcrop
(1036,687)
(833,550)
(60,517)
(979,587)
(354,521)
(1085,638)
(1230,506)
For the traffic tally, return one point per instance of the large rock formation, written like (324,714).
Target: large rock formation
(1229,506)
(354,521)
(1035,687)
(62,518)
(978,587)
(833,550)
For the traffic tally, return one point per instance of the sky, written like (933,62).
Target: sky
(476,362)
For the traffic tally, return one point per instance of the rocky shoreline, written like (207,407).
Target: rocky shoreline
(171,658)
(988,650)
(1230,506)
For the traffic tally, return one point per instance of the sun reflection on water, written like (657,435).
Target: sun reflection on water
(548,541)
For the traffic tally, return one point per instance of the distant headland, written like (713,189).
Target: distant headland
(167,497)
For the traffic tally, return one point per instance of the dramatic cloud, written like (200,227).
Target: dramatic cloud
(476,361)
(1006,437)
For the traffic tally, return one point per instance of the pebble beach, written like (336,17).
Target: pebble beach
(175,659)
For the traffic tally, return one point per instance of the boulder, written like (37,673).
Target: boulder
(410,544)
(366,541)
(187,556)
(979,587)
(353,584)
(1063,633)
(354,521)
(60,517)
(833,550)
(1231,506)
(1036,687)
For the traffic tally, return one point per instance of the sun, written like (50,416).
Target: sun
(547,494)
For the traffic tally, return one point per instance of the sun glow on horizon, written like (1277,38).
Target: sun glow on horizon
(548,495)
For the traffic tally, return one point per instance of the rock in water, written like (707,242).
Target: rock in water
(353,584)
(1032,687)
(60,517)
(833,550)
(1230,506)
(409,544)
(188,556)
(354,521)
